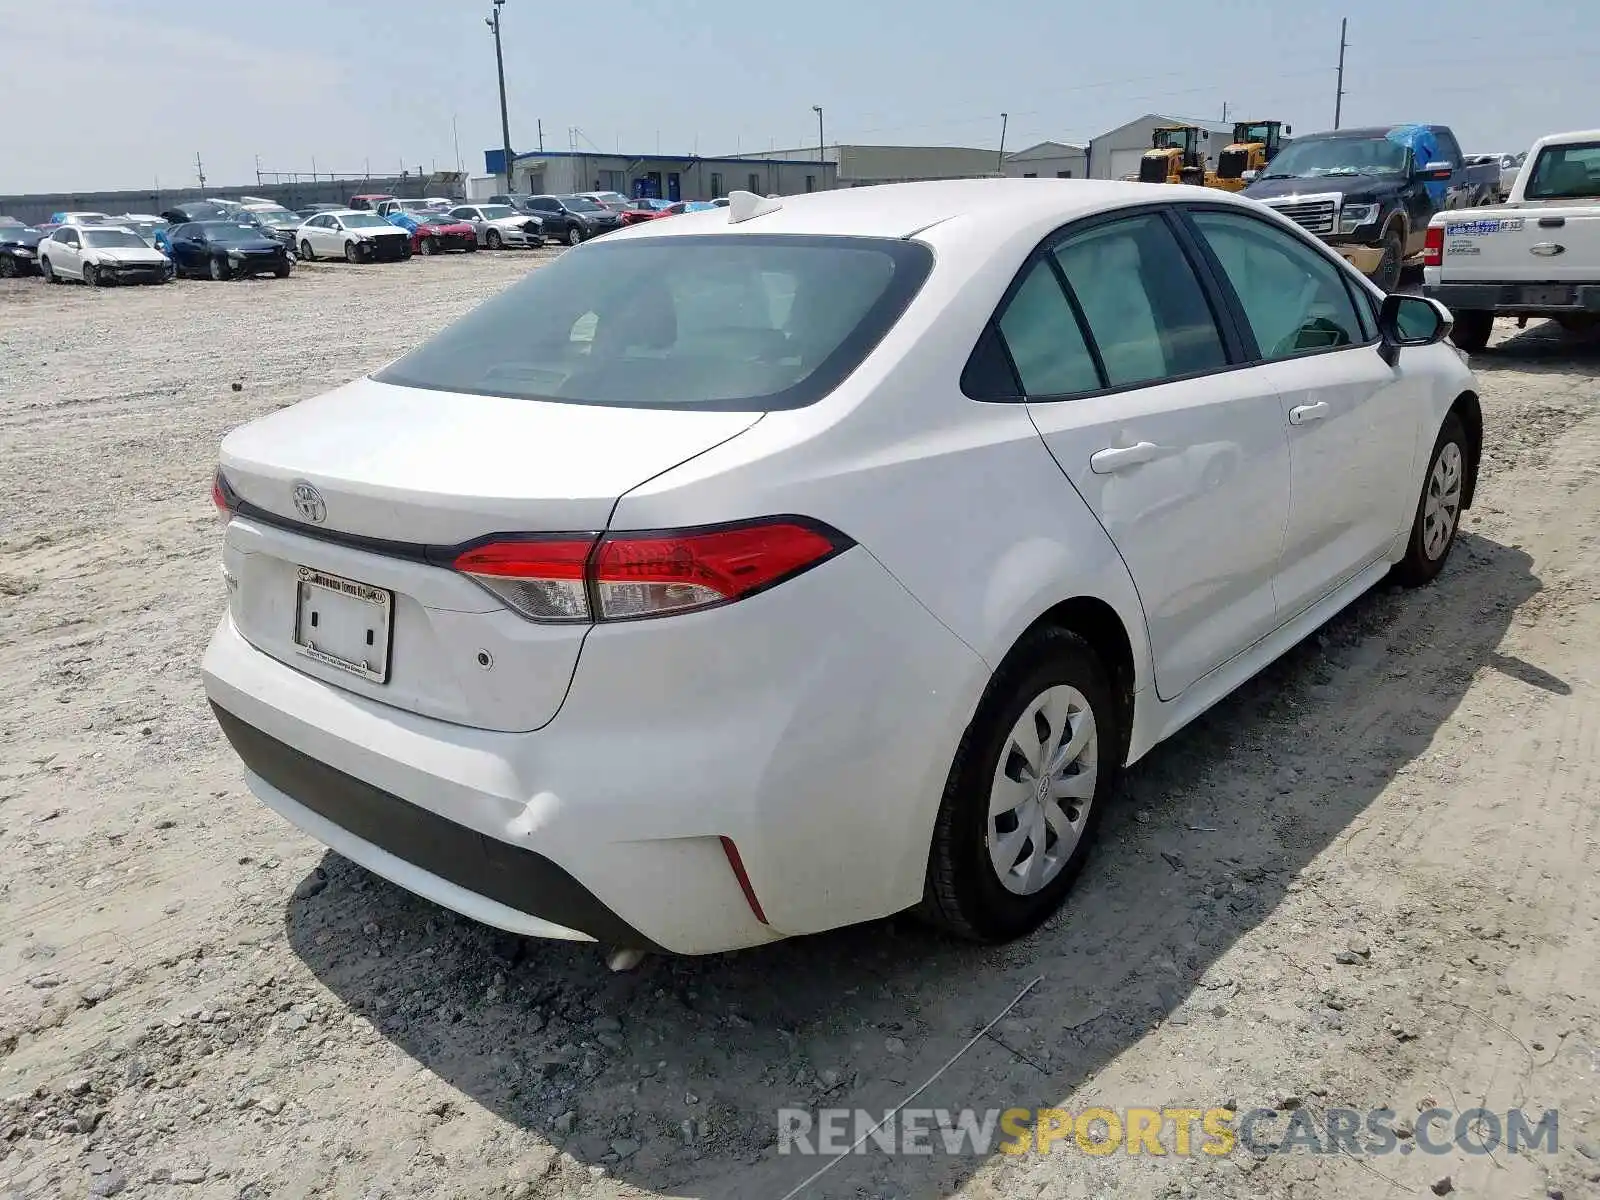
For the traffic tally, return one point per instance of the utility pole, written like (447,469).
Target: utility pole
(500,66)
(1224,112)
(541,135)
(200,170)
(1000,161)
(258,170)
(822,144)
(455,133)
(1338,95)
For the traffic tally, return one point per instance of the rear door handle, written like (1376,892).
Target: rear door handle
(1119,458)
(1307,413)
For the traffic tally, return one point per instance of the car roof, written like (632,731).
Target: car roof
(1576,135)
(902,210)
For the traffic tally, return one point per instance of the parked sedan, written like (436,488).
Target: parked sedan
(499,225)
(194,210)
(858,502)
(434,233)
(277,223)
(645,208)
(101,254)
(353,236)
(227,250)
(19,250)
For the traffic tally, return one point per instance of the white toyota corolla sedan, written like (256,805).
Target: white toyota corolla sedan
(803,561)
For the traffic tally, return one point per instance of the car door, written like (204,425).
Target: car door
(551,213)
(1351,418)
(325,236)
(1135,382)
(472,217)
(67,261)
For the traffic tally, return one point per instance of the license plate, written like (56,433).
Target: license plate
(1549,295)
(344,623)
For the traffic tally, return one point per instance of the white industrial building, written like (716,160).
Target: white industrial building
(667,176)
(1048,160)
(1116,153)
(862,166)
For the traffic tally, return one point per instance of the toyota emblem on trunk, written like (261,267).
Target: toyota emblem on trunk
(308,502)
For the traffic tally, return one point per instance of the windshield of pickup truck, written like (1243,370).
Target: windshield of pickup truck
(1566,173)
(1312,158)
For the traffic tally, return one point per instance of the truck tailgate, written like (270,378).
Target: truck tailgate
(1530,244)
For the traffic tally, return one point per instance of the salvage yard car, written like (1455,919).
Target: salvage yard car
(1370,193)
(19,250)
(227,250)
(499,225)
(353,236)
(799,562)
(101,254)
(1537,255)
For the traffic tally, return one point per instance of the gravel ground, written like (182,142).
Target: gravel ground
(1367,879)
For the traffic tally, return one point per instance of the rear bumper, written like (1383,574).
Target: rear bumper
(813,725)
(1514,297)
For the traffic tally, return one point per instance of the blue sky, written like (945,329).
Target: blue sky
(121,93)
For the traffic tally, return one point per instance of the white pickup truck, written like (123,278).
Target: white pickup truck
(1536,255)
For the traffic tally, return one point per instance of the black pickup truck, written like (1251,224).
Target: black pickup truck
(1370,193)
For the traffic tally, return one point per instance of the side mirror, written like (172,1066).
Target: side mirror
(1411,321)
(1438,172)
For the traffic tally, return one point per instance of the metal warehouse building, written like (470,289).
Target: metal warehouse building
(1048,160)
(668,176)
(1116,153)
(862,166)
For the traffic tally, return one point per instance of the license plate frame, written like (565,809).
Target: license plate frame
(354,620)
(1561,294)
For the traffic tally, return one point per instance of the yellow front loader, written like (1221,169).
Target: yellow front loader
(1255,144)
(1174,157)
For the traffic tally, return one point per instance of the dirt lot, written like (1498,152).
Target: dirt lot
(1367,880)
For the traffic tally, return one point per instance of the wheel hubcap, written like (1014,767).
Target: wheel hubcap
(1442,502)
(1043,789)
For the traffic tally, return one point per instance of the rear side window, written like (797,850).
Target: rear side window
(1046,344)
(738,322)
(1294,299)
(1144,306)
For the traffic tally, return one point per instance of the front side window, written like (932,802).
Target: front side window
(1294,299)
(747,323)
(1144,307)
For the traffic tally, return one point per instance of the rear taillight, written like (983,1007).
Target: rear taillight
(1433,247)
(626,576)
(222,496)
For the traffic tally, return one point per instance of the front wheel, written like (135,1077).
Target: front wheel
(220,270)
(8,267)
(282,272)
(352,253)
(430,247)
(1438,516)
(574,235)
(305,252)
(1030,779)
(1387,273)
(1471,330)
(91,274)
(48,271)
(495,241)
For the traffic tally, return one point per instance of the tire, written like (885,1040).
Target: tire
(574,235)
(219,269)
(283,271)
(1579,323)
(8,267)
(91,274)
(494,240)
(1471,330)
(472,246)
(1056,675)
(1438,515)
(405,252)
(305,252)
(1387,273)
(48,272)
(429,247)
(351,253)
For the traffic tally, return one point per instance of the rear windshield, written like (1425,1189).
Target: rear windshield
(1566,172)
(738,322)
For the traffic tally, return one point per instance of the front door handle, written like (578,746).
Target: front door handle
(1119,458)
(1307,413)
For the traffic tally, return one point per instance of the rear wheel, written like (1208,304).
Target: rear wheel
(1030,780)
(1471,330)
(1438,516)
(305,251)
